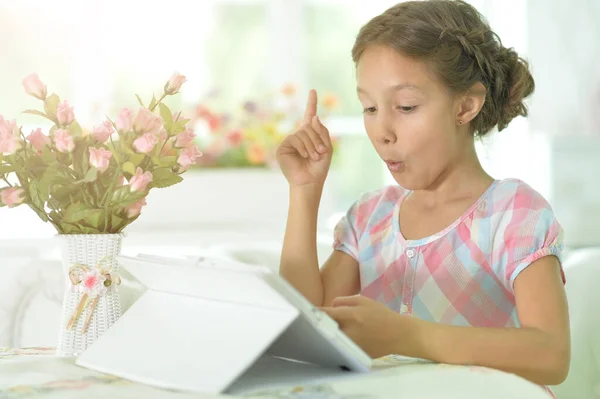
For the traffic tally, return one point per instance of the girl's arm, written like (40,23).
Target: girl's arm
(299,262)
(538,351)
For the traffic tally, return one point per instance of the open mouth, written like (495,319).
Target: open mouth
(395,166)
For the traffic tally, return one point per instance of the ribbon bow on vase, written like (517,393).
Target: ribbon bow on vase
(93,283)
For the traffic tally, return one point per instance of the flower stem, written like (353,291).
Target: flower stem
(7,182)
(158,102)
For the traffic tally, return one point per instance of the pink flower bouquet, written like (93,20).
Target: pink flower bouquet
(93,181)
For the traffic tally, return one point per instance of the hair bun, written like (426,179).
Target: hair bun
(520,85)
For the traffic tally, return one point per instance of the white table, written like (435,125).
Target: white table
(35,373)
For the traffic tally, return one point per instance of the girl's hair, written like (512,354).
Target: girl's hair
(455,40)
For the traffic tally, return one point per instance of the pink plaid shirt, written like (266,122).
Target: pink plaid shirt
(464,274)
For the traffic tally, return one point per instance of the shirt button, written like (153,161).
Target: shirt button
(410,253)
(404,308)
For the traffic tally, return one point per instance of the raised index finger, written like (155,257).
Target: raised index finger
(311,107)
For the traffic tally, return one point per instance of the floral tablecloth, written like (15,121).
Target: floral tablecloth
(36,373)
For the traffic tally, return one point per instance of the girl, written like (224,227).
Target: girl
(449,265)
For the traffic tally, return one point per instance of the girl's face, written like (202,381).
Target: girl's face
(409,116)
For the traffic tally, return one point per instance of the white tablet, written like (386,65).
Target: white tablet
(203,324)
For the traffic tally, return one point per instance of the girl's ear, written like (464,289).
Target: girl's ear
(470,104)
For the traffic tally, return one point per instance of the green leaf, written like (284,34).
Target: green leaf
(54,204)
(63,192)
(34,166)
(95,218)
(38,113)
(140,101)
(136,159)
(51,105)
(37,201)
(75,129)
(87,230)
(35,194)
(128,167)
(68,228)
(116,223)
(152,103)
(123,196)
(79,212)
(179,127)
(48,157)
(164,177)
(90,176)
(165,162)
(4,169)
(114,147)
(126,147)
(46,181)
(80,159)
(167,116)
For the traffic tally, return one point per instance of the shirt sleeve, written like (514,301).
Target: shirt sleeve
(533,234)
(345,233)
(353,228)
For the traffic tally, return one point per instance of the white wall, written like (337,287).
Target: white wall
(564,49)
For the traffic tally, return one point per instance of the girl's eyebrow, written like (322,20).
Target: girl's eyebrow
(397,87)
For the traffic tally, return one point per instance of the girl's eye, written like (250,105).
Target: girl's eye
(369,110)
(407,109)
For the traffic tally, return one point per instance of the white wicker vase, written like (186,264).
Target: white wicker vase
(92,251)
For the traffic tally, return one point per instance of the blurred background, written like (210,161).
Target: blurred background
(264,55)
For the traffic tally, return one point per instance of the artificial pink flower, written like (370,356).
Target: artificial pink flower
(8,128)
(38,140)
(100,158)
(135,209)
(92,283)
(12,196)
(124,120)
(9,145)
(35,87)
(10,141)
(145,143)
(174,84)
(65,114)
(188,156)
(63,141)
(140,180)
(185,138)
(121,181)
(102,132)
(147,122)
